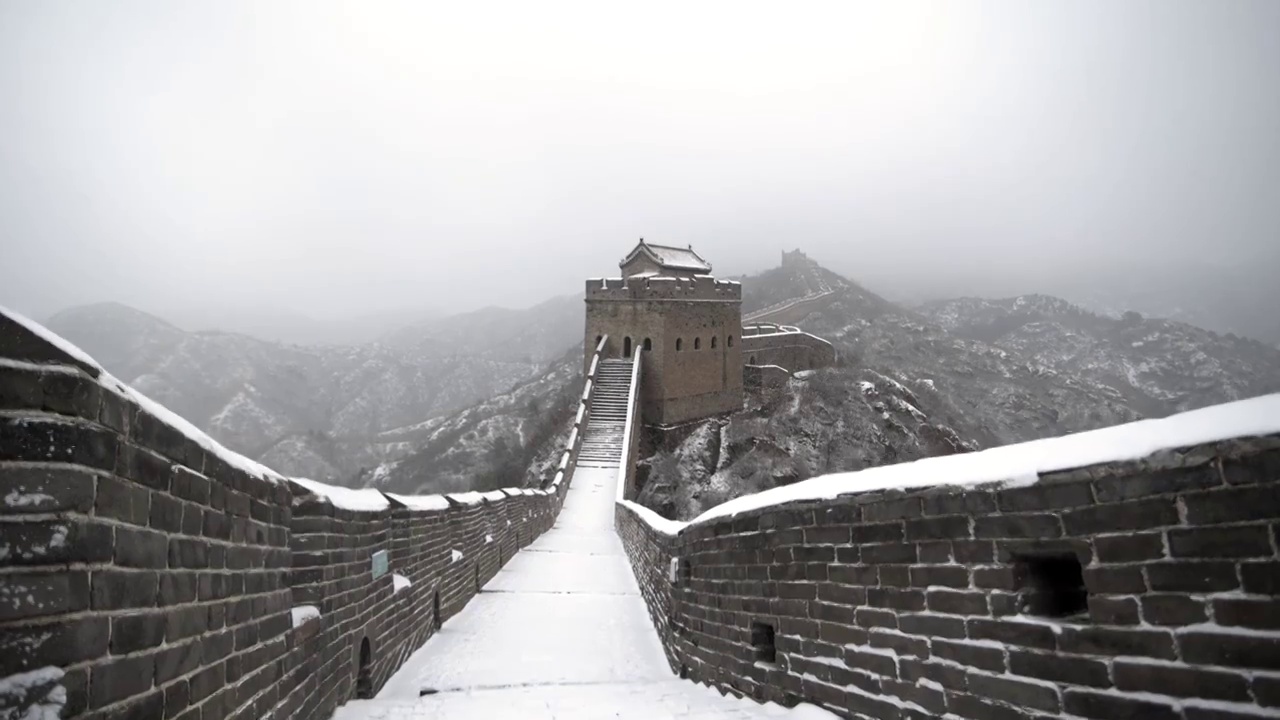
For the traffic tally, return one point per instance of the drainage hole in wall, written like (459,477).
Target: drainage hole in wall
(1051,585)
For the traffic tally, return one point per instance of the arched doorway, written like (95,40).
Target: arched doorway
(364,676)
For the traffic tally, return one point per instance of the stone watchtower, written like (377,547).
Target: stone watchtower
(688,325)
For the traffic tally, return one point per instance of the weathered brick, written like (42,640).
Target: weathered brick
(1256,613)
(122,500)
(1179,681)
(938,528)
(1045,496)
(955,576)
(120,590)
(120,678)
(50,439)
(1017,526)
(141,548)
(1155,482)
(46,489)
(1130,547)
(1114,611)
(1230,650)
(1248,541)
(1059,668)
(957,603)
(1232,504)
(1015,692)
(1113,707)
(979,656)
(1012,633)
(1135,515)
(58,643)
(1172,610)
(1192,576)
(136,632)
(1117,641)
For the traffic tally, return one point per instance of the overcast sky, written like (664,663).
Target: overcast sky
(331,158)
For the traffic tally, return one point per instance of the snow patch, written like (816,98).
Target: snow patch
(17,499)
(1022,464)
(24,689)
(421,502)
(398,583)
(346,498)
(303,613)
(455,555)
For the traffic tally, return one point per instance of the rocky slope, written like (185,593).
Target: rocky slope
(310,411)
(948,377)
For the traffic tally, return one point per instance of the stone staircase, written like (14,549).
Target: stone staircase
(602,442)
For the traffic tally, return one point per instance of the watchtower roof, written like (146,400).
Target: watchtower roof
(669,258)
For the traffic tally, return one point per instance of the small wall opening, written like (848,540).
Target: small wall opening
(730,341)
(648,344)
(713,342)
(626,347)
(364,676)
(1051,585)
(435,610)
(697,343)
(679,344)
(751,360)
(762,645)
(598,339)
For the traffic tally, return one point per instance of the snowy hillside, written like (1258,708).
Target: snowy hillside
(950,376)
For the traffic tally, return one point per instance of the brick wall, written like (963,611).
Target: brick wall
(150,571)
(144,576)
(794,350)
(934,602)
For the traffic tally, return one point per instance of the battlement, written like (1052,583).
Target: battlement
(698,287)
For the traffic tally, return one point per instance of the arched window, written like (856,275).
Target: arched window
(713,342)
(648,344)
(626,347)
(364,674)
(730,341)
(679,344)
(697,343)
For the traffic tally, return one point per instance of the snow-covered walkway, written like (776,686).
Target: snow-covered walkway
(560,632)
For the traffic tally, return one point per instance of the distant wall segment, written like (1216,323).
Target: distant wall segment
(1132,589)
(145,572)
(786,347)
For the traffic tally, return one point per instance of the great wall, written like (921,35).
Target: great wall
(1131,572)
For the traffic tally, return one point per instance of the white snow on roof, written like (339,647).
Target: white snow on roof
(1022,464)
(421,502)
(346,498)
(678,257)
(166,416)
(303,613)
(494,495)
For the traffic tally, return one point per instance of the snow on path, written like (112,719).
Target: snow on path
(560,632)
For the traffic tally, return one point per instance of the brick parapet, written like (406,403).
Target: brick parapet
(155,577)
(913,604)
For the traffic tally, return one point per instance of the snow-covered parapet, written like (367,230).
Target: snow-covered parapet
(1023,464)
(357,499)
(34,347)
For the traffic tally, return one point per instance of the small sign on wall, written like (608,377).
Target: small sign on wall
(381,562)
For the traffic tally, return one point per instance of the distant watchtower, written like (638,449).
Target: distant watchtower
(688,325)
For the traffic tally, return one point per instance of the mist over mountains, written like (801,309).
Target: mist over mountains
(480,399)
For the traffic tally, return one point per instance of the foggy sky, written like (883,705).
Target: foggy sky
(342,159)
